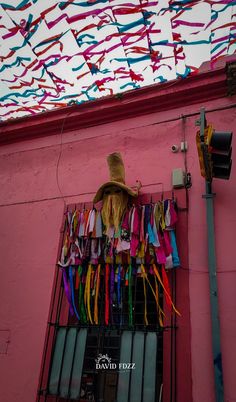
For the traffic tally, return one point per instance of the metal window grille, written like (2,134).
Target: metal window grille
(69,370)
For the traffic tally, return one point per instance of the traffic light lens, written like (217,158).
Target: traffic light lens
(221,158)
(221,141)
(223,171)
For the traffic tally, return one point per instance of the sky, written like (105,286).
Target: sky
(57,53)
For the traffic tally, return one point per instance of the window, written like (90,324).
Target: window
(116,361)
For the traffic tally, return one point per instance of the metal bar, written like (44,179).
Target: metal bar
(131,359)
(157,367)
(144,353)
(55,329)
(135,299)
(215,323)
(52,307)
(119,332)
(59,305)
(62,362)
(73,360)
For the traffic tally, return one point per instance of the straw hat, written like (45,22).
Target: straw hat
(117,177)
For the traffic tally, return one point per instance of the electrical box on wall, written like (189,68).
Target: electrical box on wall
(178,178)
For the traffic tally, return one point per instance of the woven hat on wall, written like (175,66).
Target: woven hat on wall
(117,177)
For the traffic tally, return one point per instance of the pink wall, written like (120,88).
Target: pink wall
(31,210)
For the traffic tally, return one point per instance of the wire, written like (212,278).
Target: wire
(61,196)
(207,272)
(184,139)
(59,158)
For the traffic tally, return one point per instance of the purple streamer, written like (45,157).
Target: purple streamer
(67,291)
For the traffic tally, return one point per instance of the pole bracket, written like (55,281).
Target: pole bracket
(212,195)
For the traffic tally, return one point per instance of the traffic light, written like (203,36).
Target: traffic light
(214,152)
(220,151)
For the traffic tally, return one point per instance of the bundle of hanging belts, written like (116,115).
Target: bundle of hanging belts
(97,268)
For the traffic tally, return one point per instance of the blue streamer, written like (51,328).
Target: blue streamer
(72,292)
(175,255)
(10,7)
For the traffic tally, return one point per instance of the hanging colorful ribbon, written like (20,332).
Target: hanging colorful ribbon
(159,310)
(81,298)
(85,245)
(144,275)
(145,301)
(130,295)
(67,291)
(112,281)
(107,294)
(165,288)
(87,293)
(72,292)
(96,294)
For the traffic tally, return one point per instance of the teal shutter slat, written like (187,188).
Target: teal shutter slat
(150,367)
(124,376)
(67,362)
(78,363)
(137,373)
(57,361)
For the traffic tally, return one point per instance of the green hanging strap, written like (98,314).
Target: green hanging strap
(130,296)
(83,317)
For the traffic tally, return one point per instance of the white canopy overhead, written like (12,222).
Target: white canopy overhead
(54,53)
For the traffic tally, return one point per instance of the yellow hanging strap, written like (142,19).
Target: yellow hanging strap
(144,275)
(159,310)
(66,245)
(162,215)
(87,293)
(96,295)
(75,220)
(165,290)
(145,301)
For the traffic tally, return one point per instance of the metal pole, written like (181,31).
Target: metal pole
(218,373)
(215,323)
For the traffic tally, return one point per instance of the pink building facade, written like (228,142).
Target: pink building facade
(59,158)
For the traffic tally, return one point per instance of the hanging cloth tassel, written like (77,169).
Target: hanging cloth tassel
(72,292)
(107,294)
(87,293)
(119,291)
(67,291)
(130,296)
(77,279)
(144,274)
(112,281)
(159,310)
(96,294)
(81,298)
(166,288)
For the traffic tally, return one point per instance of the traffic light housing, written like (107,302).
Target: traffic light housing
(203,152)
(221,150)
(214,152)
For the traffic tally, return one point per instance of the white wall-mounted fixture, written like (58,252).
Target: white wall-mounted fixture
(183,146)
(178,177)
